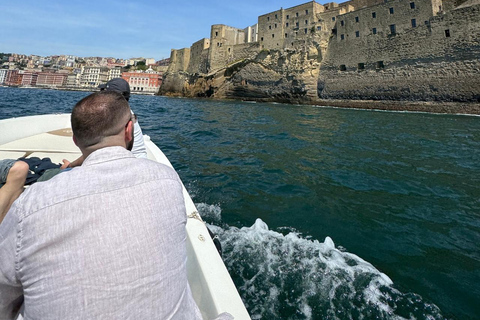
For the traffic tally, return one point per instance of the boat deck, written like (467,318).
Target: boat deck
(56,145)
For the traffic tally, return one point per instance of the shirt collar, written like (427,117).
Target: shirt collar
(107,154)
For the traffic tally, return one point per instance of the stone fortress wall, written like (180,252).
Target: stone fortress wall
(428,54)
(198,57)
(367,49)
(181,60)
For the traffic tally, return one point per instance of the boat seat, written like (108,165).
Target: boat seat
(56,145)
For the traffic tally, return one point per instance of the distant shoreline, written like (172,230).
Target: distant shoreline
(92,89)
(441,107)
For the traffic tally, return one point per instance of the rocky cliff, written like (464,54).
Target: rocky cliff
(437,61)
(286,75)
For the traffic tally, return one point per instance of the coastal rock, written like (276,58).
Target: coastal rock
(272,75)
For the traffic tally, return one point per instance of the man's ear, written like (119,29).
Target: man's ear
(129,132)
(75,141)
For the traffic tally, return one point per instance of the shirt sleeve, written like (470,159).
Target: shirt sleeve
(11,292)
(139,149)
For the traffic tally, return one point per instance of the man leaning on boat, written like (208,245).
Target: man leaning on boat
(105,240)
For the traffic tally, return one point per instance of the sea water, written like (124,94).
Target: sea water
(323,213)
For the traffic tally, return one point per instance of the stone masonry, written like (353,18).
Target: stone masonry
(406,50)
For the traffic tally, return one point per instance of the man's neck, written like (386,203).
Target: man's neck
(105,143)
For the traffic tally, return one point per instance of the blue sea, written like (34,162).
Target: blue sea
(323,213)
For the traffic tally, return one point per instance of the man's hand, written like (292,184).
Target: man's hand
(66,164)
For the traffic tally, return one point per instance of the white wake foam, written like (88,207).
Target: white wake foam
(289,276)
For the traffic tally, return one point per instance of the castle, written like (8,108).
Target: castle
(345,46)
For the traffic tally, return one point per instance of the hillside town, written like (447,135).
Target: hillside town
(76,73)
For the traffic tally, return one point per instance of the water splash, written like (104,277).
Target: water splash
(287,276)
(211,212)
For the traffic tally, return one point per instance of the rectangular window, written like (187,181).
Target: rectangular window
(216,34)
(414,23)
(374,15)
(357,34)
(261,39)
(306,11)
(356,19)
(343,67)
(275,16)
(288,16)
(333,18)
(268,18)
(273,35)
(286,35)
(447,33)
(275,25)
(306,21)
(306,30)
(286,24)
(296,14)
(392,29)
(319,28)
(342,37)
(296,24)
(391,10)
(374,30)
(342,23)
(412,5)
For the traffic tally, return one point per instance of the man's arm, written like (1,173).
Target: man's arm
(75,163)
(11,292)
(13,187)
(139,150)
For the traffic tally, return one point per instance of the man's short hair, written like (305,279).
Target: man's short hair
(98,116)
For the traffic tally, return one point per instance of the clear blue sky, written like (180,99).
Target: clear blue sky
(120,29)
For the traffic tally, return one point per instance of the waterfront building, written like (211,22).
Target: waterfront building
(143,82)
(50,79)
(13,78)
(73,80)
(3,75)
(114,73)
(93,76)
(29,78)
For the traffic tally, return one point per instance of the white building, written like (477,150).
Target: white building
(149,61)
(93,76)
(114,73)
(70,61)
(3,75)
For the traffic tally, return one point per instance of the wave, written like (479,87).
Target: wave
(286,276)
